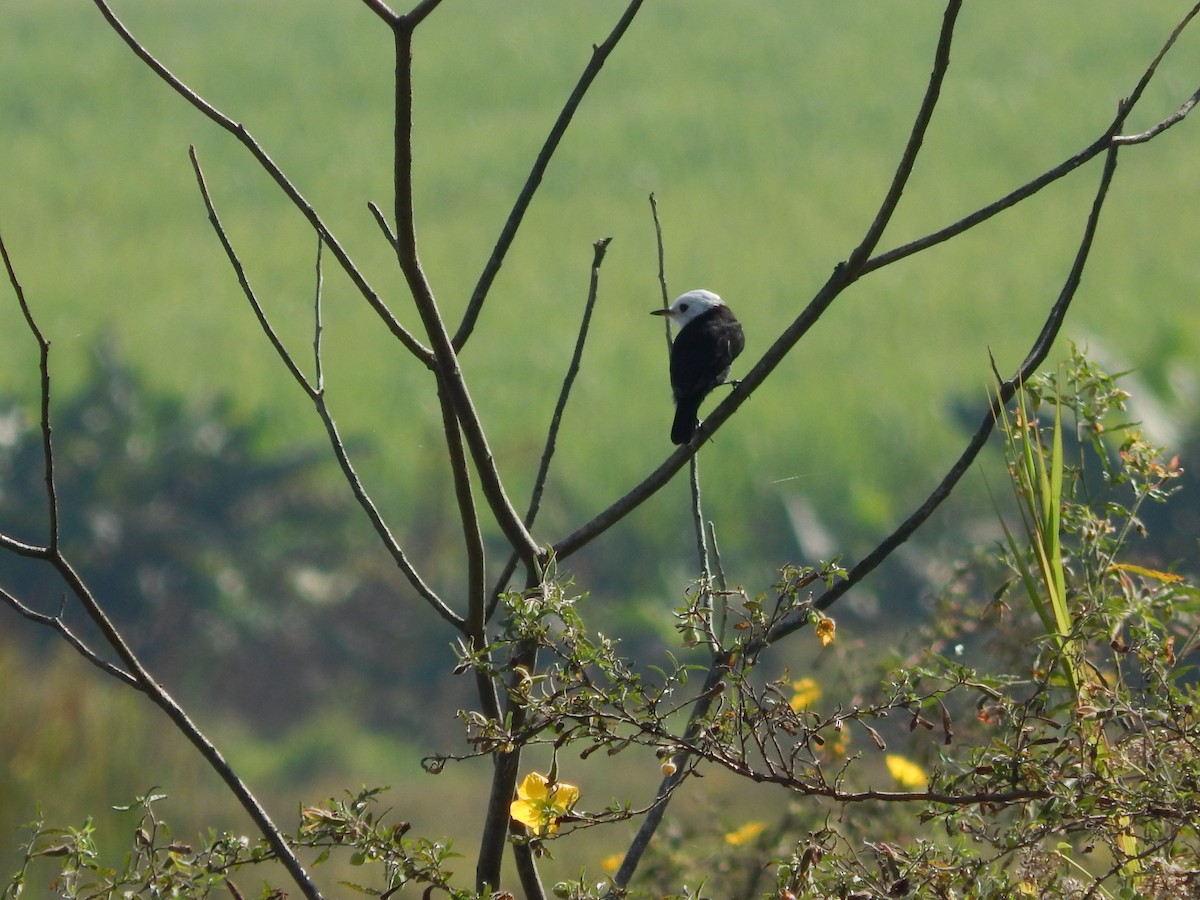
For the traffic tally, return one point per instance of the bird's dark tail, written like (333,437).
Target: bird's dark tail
(685,421)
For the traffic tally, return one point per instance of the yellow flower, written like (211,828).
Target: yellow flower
(807,692)
(612,862)
(540,804)
(745,834)
(825,630)
(906,772)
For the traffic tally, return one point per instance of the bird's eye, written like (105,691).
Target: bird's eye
(683,307)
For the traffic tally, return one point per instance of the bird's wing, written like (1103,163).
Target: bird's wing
(700,357)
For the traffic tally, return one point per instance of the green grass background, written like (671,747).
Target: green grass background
(768,132)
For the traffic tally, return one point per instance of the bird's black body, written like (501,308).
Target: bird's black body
(708,342)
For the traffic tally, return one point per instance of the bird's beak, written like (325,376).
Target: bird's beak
(662,312)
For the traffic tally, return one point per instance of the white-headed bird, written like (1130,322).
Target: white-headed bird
(709,340)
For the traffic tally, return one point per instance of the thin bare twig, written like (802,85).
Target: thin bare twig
(941,64)
(598,251)
(1035,357)
(44,418)
(508,233)
(133,668)
(318,369)
(58,624)
(317,396)
(241,133)
(419,12)
(694,462)
(381,9)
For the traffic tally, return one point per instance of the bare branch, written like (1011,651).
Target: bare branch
(1011,199)
(599,249)
(419,12)
(134,671)
(381,9)
(445,358)
(290,190)
(508,233)
(941,63)
(1174,119)
(58,624)
(318,373)
(317,396)
(44,370)
(469,518)
(1144,81)
(1035,357)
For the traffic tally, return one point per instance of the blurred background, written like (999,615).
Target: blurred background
(199,498)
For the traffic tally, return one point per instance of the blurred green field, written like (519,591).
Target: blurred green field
(767,131)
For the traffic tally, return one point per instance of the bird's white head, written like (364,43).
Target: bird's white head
(690,305)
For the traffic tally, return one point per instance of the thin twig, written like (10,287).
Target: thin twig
(381,9)
(317,396)
(598,251)
(941,63)
(662,263)
(58,624)
(1035,357)
(420,11)
(44,417)
(1174,119)
(133,668)
(508,233)
(318,371)
(243,136)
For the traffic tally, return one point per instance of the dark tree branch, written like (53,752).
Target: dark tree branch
(1035,357)
(318,328)
(44,418)
(133,669)
(444,354)
(420,11)
(539,484)
(381,9)
(941,64)
(244,137)
(508,233)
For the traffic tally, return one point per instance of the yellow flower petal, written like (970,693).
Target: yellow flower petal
(540,804)
(807,692)
(745,834)
(825,630)
(906,772)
